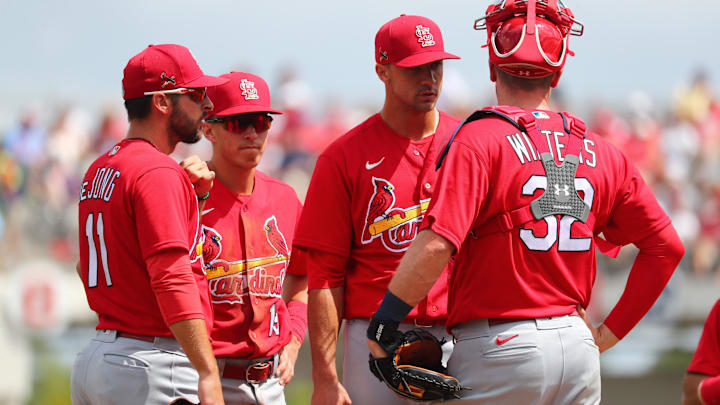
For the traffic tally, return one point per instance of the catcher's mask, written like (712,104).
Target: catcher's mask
(529,38)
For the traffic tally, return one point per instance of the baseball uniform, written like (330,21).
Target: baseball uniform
(511,313)
(366,200)
(136,204)
(246,243)
(706,359)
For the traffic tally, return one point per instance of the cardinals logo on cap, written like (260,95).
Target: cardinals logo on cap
(167,80)
(425,38)
(248,90)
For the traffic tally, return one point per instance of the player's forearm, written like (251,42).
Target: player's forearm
(325,309)
(193,338)
(654,265)
(691,385)
(295,288)
(421,266)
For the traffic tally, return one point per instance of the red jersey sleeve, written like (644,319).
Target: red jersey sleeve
(636,213)
(326,220)
(174,285)
(459,195)
(707,356)
(324,270)
(161,204)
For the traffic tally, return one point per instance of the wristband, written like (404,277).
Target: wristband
(205,197)
(298,319)
(710,390)
(392,308)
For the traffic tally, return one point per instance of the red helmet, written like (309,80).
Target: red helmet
(529,38)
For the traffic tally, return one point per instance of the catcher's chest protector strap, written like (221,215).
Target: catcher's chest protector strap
(560,197)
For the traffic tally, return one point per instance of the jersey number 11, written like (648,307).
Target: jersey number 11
(92,251)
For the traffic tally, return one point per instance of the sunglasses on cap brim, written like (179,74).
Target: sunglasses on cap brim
(196,94)
(239,123)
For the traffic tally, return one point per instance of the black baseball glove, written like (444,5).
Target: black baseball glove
(413,369)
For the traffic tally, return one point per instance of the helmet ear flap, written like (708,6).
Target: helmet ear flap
(493,74)
(556,78)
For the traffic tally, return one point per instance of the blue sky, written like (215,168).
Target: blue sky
(59,52)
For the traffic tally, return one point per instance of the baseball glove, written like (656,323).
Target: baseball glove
(414,369)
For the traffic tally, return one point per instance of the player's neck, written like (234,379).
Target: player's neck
(238,180)
(153,132)
(410,123)
(523,99)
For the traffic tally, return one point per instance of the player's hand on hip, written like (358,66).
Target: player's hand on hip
(375,350)
(603,336)
(330,393)
(200,174)
(210,390)
(288,355)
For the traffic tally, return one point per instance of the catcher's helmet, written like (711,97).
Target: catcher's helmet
(529,38)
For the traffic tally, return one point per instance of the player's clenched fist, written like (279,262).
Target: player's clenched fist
(200,174)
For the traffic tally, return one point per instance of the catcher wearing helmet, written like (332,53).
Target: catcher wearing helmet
(523,194)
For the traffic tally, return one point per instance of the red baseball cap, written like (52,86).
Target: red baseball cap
(243,93)
(409,41)
(164,67)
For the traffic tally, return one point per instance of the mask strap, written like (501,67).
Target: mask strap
(530,23)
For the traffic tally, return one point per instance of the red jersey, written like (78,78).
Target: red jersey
(366,201)
(706,359)
(245,250)
(545,267)
(136,201)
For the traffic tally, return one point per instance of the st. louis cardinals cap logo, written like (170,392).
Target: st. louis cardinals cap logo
(425,38)
(167,80)
(248,90)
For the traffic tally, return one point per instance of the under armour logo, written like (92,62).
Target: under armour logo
(383,55)
(167,80)
(248,90)
(565,189)
(524,73)
(425,38)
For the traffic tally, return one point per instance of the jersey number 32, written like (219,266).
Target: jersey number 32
(560,235)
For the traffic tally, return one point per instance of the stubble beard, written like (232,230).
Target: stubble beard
(186,130)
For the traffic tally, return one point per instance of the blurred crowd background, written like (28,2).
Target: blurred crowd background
(44,153)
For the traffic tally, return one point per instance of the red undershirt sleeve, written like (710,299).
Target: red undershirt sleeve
(659,254)
(173,283)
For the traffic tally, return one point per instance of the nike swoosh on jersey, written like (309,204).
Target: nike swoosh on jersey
(500,342)
(370,166)
(206,211)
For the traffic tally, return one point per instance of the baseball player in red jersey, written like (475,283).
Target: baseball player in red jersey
(366,200)
(139,221)
(248,221)
(701,385)
(521,194)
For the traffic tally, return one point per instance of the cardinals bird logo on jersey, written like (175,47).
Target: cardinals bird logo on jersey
(396,227)
(260,276)
(275,237)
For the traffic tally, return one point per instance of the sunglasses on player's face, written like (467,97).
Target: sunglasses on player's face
(198,94)
(239,123)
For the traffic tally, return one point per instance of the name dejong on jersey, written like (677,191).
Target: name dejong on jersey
(262,276)
(395,226)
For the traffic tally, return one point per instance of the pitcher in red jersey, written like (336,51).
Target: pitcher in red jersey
(522,195)
(364,206)
(139,221)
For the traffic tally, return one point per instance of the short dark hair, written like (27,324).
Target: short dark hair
(524,83)
(138,108)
